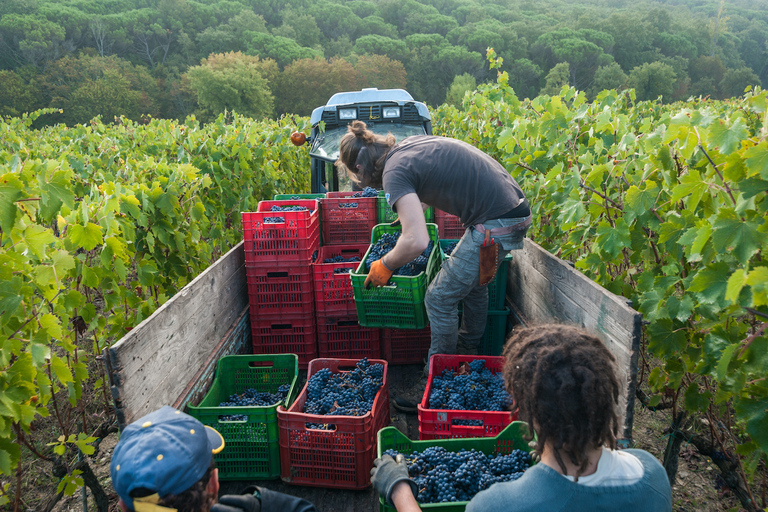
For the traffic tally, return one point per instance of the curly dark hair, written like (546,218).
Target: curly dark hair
(361,147)
(194,499)
(563,381)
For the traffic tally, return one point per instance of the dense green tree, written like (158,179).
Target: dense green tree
(335,20)
(524,77)
(31,39)
(653,80)
(609,76)
(16,96)
(380,71)
(380,45)
(706,73)
(280,49)
(557,77)
(428,23)
(308,83)
(88,86)
(460,85)
(235,82)
(300,27)
(340,47)
(231,35)
(736,81)
(375,25)
(577,49)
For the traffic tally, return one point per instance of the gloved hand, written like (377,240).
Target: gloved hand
(379,275)
(535,456)
(387,473)
(237,503)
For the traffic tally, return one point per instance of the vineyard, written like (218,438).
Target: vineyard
(663,204)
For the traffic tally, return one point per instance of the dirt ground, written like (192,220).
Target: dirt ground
(696,489)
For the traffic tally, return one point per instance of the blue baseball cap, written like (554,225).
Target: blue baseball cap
(166,451)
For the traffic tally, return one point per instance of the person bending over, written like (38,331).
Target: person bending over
(164,462)
(565,385)
(458,178)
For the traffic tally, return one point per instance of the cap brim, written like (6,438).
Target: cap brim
(216,439)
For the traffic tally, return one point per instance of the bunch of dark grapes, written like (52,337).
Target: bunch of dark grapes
(274,220)
(444,476)
(448,249)
(252,397)
(347,205)
(314,256)
(367,192)
(345,393)
(343,270)
(473,388)
(386,243)
(341,259)
(278,208)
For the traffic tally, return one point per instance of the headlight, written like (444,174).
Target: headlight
(389,112)
(348,113)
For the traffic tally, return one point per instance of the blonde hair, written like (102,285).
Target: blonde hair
(362,154)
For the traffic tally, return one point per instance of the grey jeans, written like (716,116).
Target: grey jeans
(457,280)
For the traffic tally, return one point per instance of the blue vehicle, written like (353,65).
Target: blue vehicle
(384,111)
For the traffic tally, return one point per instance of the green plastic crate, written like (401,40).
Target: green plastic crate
(400,306)
(497,288)
(385,214)
(251,447)
(288,197)
(511,438)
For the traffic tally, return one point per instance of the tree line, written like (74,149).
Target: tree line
(174,58)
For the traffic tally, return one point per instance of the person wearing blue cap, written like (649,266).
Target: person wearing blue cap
(164,462)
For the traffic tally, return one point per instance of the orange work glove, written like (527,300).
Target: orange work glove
(379,275)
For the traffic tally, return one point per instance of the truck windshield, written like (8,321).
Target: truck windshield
(326,145)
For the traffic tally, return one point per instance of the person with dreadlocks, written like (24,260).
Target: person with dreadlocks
(164,463)
(565,385)
(459,179)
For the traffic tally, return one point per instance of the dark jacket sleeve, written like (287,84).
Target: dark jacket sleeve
(272,501)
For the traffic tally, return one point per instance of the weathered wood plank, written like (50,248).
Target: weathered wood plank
(156,363)
(542,288)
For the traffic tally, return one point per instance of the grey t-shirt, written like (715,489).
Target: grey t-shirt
(451,175)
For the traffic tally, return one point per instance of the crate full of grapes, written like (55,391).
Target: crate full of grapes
(242,405)
(328,435)
(465,397)
(502,458)
(399,304)
(282,233)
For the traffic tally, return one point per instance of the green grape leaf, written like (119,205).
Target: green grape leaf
(40,353)
(756,160)
(728,138)
(639,201)
(755,412)
(692,184)
(60,369)
(88,237)
(735,284)
(37,238)
(680,309)
(696,399)
(758,280)
(10,453)
(710,283)
(733,235)
(694,241)
(130,206)
(751,187)
(667,338)
(55,192)
(611,240)
(10,191)
(571,212)
(725,360)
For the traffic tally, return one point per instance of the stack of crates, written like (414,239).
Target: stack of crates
(347,222)
(279,249)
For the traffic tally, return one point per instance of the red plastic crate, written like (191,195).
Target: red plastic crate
(340,458)
(333,292)
(285,334)
(342,337)
(275,291)
(284,244)
(347,225)
(406,346)
(448,226)
(439,423)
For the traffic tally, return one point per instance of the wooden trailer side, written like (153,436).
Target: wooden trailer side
(542,288)
(170,358)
